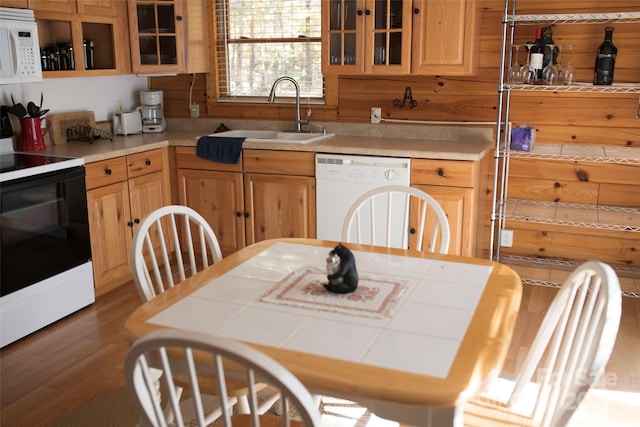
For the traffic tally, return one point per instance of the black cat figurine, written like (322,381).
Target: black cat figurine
(341,271)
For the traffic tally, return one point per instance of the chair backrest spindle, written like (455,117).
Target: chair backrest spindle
(193,357)
(165,236)
(386,213)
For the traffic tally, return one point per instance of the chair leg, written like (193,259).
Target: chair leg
(243,405)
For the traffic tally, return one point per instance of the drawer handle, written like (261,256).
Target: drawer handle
(147,162)
(440,172)
(107,171)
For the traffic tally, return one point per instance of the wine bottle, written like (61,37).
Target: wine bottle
(547,39)
(605,60)
(536,59)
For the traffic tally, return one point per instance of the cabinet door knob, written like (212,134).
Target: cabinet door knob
(367,12)
(238,214)
(137,220)
(440,172)
(416,11)
(178,18)
(359,13)
(107,171)
(147,162)
(412,230)
(130,224)
(246,214)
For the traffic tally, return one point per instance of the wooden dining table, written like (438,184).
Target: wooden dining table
(421,334)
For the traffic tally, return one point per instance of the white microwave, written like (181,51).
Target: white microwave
(19,51)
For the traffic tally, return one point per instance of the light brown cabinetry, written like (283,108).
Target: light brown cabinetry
(445,37)
(215,191)
(169,36)
(20,4)
(280,194)
(82,37)
(395,37)
(121,192)
(268,194)
(459,187)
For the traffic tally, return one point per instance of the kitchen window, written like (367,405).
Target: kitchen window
(258,41)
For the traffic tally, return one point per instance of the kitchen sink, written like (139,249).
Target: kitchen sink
(274,136)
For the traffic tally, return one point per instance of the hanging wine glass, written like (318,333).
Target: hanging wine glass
(526,73)
(550,72)
(515,74)
(560,67)
(568,72)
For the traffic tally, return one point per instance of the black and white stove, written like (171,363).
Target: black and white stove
(45,268)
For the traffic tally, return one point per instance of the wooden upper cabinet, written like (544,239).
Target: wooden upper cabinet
(366,37)
(82,37)
(169,36)
(445,37)
(62,6)
(20,4)
(98,7)
(396,37)
(91,7)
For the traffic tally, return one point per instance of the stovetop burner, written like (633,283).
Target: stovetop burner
(14,165)
(16,161)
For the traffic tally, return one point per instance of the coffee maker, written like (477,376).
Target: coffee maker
(151,108)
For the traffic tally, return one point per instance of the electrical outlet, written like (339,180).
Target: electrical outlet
(376,115)
(195,111)
(506,238)
(119,106)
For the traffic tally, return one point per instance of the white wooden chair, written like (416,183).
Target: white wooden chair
(381,217)
(576,338)
(197,358)
(172,242)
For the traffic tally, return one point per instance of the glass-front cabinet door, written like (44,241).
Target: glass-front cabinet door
(388,37)
(344,20)
(156,35)
(367,36)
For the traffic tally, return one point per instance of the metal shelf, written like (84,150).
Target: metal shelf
(578,87)
(629,277)
(576,18)
(581,153)
(609,218)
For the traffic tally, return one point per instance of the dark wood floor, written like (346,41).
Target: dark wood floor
(52,372)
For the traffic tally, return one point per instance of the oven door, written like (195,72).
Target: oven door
(44,227)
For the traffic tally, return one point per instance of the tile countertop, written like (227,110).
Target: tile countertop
(366,145)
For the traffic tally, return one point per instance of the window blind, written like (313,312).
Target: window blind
(258,41)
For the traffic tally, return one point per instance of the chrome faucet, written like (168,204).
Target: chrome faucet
(272,98)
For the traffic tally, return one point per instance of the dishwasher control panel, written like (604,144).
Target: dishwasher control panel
(370,169)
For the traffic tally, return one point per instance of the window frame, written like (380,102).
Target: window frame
(219,53)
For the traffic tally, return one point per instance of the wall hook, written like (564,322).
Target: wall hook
(407,96)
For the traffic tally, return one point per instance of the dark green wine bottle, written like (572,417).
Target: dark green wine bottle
(605,60)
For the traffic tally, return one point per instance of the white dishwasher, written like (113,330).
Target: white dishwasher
(341,179)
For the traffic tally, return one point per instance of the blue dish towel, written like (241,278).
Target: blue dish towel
(219,148)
